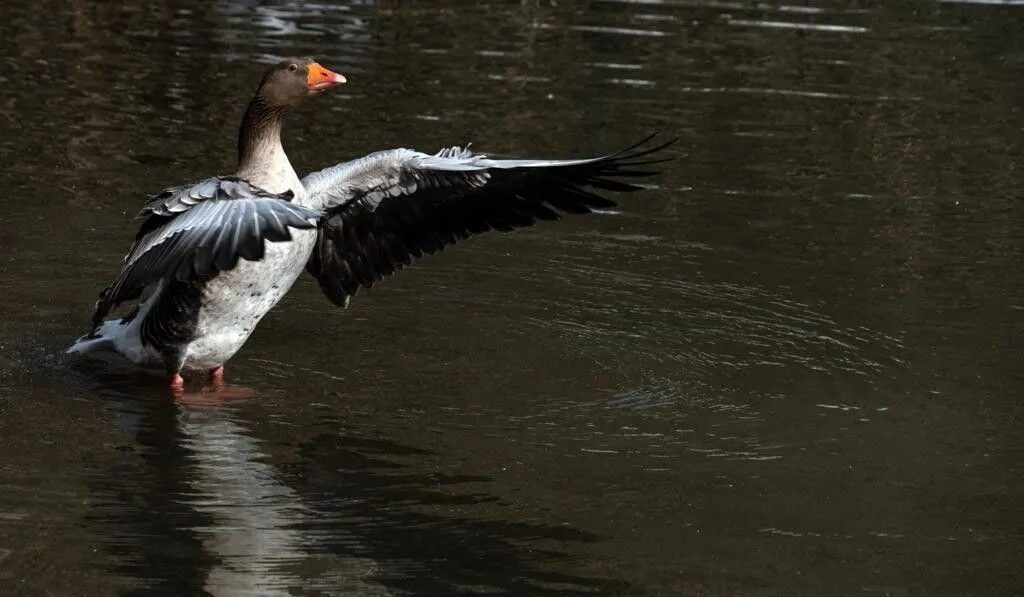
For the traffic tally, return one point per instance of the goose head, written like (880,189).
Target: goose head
(291,80)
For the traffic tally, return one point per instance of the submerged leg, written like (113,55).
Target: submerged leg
(215,393)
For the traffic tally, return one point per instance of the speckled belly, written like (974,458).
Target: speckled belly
(235,301)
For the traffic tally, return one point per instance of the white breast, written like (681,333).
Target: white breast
(235,301)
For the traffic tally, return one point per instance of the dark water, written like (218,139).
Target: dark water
(792,367)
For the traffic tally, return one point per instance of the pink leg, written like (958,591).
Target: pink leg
(216,393)
(175,381)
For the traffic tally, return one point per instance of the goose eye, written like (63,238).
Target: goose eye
(293,67)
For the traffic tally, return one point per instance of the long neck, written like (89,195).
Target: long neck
(261,158)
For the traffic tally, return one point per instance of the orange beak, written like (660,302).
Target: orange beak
(319,78)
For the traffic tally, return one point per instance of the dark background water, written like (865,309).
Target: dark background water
(791,367)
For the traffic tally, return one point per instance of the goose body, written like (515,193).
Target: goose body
(219,253)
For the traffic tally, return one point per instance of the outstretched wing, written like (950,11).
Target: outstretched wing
(391,207)
(198,230)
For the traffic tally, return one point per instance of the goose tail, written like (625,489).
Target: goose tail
(99,340)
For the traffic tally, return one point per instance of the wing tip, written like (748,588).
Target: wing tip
(637,149)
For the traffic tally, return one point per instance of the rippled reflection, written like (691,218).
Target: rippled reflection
(195,506)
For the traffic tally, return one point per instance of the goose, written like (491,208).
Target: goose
(217,254)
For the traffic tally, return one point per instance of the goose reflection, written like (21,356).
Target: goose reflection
(193,504)
(195,508)
(254,518)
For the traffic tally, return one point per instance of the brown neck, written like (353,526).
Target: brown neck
(260,134)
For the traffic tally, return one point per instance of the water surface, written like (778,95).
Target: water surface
(792,366)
